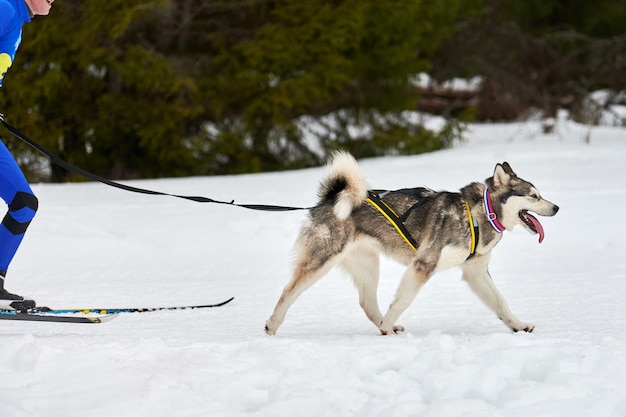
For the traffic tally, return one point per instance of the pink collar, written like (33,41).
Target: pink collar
(491,215)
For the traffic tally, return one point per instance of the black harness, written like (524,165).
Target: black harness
(375,199)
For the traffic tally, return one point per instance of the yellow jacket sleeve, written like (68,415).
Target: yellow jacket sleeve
(5,63)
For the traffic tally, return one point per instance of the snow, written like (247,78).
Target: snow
(95,246)
(424,80)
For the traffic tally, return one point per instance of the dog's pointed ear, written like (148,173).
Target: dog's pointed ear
(508,169)
(502,174)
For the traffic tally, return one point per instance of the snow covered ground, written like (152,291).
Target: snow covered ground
(94,246)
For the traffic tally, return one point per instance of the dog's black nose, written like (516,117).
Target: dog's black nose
(555,209)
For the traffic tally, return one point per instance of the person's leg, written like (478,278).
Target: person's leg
(22,206)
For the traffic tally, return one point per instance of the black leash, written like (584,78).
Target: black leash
(71,168)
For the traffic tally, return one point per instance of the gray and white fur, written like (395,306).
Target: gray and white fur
(344,230)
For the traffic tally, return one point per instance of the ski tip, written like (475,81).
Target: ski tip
(204,306)
(223,303)
(227,301)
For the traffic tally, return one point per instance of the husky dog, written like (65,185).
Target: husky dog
(426,230)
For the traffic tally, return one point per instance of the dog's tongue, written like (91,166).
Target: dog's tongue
(537,225)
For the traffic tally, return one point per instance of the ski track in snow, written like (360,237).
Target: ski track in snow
(94,246)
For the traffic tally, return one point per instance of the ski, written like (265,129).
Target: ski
(28,316)
(90,315)
(105,311)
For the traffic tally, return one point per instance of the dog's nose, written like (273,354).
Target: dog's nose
(555,209)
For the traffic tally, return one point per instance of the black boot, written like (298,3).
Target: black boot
(10,301)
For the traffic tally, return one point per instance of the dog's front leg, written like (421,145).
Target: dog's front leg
(416,275)
(476,274)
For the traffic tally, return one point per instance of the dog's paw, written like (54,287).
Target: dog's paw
(394,330)
(518,326)
(525,327)
(269,331)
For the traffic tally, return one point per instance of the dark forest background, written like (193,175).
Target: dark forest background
(154,88)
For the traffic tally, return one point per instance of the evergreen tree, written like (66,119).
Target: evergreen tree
(353,57)
(87,89)
(148,88)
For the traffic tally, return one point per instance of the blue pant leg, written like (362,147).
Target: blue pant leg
(16,192)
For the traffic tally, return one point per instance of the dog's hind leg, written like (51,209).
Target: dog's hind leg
(416,275)
(476,274)
(307,272)
(363,265)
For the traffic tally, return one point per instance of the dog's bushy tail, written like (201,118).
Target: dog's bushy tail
(344,185)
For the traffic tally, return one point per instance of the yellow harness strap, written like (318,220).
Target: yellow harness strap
(395,221)
(392,217)
(473,231)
